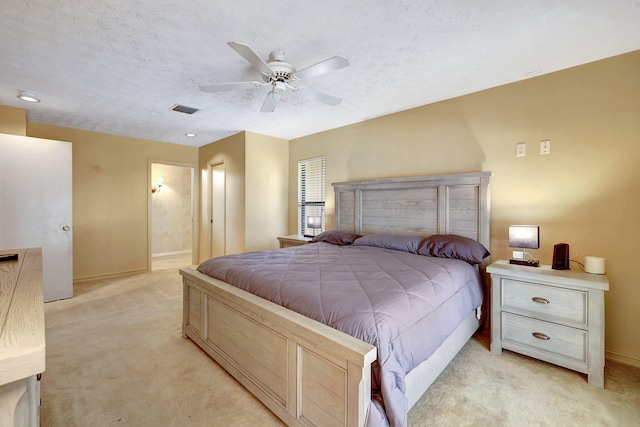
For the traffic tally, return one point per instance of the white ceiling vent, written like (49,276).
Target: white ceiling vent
(184,109)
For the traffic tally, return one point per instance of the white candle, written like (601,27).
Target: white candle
(594,264)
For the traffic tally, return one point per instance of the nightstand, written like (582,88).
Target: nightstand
(552,315)
(293,240)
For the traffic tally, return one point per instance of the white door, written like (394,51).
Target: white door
(36,206)
(217,210)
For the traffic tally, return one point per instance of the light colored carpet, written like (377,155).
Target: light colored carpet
(175,261)
(115,356)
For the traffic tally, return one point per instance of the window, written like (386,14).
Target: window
(311,194)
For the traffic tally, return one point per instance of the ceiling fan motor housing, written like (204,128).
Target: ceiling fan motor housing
(282,71)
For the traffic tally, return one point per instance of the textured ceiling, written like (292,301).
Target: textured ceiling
(118,66)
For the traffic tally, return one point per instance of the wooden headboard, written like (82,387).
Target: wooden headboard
(424,205)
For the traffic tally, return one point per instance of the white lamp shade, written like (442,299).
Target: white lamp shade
(524,236)
(314,222)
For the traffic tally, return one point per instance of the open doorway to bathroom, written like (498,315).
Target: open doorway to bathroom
(171,218)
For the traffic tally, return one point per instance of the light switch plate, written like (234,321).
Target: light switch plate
(545,146)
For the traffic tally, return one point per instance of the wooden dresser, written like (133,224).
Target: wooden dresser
(22,338)
(552,315)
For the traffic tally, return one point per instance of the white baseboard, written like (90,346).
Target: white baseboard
(107,276)
(620,358)
(184,251)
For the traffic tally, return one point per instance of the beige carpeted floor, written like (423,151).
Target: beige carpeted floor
(115,356)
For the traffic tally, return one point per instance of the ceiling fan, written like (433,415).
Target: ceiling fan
(280,75)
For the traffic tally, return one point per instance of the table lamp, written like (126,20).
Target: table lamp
(314,223)
(524,237)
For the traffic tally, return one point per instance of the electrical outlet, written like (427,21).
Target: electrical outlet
(520,149)
(545,146)
(518,255)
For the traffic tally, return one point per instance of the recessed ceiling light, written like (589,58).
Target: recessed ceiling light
(27,96)
(190,134)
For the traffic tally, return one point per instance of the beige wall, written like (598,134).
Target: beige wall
(110,190)
(585,193)
(13,120)
(231,152)
(256,174)
(267,163)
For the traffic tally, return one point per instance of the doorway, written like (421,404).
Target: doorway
(171,216)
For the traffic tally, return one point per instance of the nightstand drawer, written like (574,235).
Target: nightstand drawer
(554,303)
(548,337)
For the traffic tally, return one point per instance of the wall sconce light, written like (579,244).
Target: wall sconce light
(157,187)
(314,223)
(524,237)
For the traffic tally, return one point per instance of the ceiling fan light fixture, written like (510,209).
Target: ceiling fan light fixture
(279,86)
(27,96)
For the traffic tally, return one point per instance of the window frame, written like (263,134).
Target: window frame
(311,194)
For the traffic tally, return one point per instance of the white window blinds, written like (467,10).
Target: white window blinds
(311,196)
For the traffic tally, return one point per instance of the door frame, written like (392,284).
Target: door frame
(195,229)
(209,203)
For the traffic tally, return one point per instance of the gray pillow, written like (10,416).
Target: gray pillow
(391,241)
(453,246)
(336,237)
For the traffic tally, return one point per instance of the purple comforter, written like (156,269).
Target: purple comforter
(404,304)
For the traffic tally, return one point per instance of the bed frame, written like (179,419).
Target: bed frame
(308,373)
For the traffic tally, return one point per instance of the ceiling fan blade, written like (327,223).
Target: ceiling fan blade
(247,53)
(323,67)
(220,87)
(270,102)
(319,96)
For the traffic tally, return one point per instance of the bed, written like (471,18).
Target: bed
(309,373)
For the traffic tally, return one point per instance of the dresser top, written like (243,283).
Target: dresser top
(545,272)
(22,334)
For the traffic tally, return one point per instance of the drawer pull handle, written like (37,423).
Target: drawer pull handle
(540,300)
(541,336)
